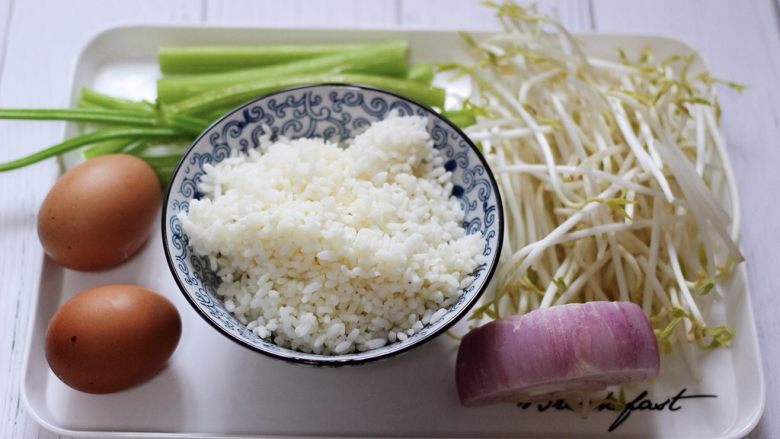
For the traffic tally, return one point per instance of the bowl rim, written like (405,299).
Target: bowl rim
(326,360)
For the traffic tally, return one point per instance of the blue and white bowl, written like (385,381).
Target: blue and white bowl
(333,112)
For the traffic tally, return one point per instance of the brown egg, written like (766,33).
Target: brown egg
(99,213)
(111,338)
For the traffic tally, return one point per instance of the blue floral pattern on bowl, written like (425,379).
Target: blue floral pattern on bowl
(334,112)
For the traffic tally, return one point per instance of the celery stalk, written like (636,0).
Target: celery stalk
(216,113)
(386,59)
(92,98)
(136,148)
(461,118)
(212,59)
(185,123)
(236,94)
(421,72)
(110,146)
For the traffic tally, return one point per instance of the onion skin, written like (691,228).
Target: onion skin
(556,351)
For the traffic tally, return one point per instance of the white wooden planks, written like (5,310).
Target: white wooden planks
(472,15)
(303,13)
(39,40)
(42,42)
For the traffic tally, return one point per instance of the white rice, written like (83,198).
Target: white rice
(331,250)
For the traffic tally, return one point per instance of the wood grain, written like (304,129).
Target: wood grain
(303,13)
(6,10)
(43,39)
(39,41)
(470,14)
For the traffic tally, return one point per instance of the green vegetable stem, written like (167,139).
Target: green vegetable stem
(201,83)
(232,95)
(210,59)
(89,139)
(386,59)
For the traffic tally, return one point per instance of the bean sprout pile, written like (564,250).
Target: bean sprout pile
(612,174)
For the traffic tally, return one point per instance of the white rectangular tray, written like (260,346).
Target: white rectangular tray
(215,388)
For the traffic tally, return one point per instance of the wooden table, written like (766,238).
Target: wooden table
(40,40)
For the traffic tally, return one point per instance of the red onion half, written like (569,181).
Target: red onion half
(556,351)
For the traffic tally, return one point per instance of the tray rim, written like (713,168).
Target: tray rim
(748,423)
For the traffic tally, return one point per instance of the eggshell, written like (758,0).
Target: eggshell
(99,213)
(110,338)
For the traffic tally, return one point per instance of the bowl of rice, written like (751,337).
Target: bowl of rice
(332,224)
